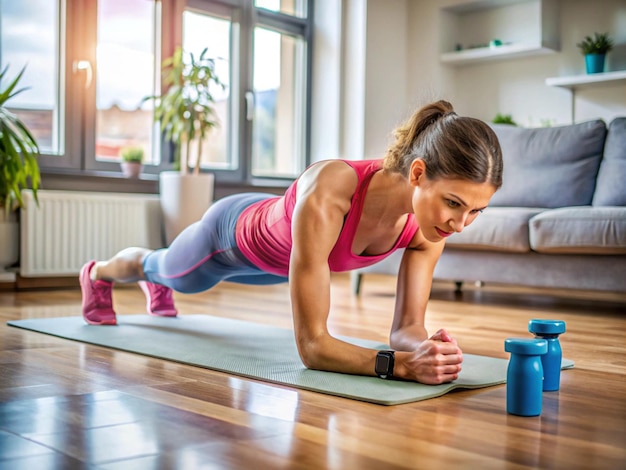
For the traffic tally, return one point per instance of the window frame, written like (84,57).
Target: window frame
(294,26)
(250,17)
(77,30)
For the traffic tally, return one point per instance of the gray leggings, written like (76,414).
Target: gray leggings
(206,252)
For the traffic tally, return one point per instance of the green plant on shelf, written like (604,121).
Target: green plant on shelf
(600,43)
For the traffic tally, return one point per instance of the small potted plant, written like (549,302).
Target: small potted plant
(132,161)
(595,49)
(19,169)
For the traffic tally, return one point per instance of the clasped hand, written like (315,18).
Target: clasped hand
(436,360)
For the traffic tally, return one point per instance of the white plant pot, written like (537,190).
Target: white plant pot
(184,200)
(131,169)
(9,240)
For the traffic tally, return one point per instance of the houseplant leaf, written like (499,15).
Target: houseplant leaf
(186,104)
(19,167)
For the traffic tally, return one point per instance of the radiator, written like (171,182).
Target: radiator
(69,228)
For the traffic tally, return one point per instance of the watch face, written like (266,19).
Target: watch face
(384,364)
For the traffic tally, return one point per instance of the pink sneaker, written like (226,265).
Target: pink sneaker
(160,300)
(97,298)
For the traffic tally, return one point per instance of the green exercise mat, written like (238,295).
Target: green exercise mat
(256,351)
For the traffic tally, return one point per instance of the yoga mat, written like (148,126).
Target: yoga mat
(257,351)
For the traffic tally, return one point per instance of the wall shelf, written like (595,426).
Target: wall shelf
(593,80)
(482,54)
(525,27)
(588,81)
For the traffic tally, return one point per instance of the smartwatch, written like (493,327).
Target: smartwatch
(384,364)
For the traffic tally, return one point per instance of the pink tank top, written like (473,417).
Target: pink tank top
(264,229)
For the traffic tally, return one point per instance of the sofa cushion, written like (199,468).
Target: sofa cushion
(550,167)
(583,230)
(611,183)
(497,229)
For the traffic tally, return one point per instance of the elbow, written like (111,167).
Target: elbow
(307,359)
(309,351)
(392,336)
(395,340)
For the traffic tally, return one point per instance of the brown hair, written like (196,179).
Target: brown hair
(450,145)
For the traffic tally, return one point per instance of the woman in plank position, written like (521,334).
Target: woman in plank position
(338,215)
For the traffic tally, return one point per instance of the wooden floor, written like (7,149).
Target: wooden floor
(69,405)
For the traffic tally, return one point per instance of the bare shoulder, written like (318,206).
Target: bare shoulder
(419,243)
(331,178)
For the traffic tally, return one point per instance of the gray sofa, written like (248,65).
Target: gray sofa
(558,221)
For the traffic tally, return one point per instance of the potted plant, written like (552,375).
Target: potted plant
(595,49)
(132,161)
(186,114)
(18,169)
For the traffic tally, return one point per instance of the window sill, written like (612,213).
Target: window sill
(102,181)
(107,181)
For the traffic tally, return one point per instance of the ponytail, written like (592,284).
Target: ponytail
(450,145)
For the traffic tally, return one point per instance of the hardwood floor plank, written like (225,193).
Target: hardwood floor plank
(87,405)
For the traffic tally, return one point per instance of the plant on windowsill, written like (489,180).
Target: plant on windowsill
(132,161)
(186,112)
(595,49)
(19,169)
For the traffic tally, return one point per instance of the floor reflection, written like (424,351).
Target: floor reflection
(109,427)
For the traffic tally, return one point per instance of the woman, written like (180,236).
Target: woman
(339,215)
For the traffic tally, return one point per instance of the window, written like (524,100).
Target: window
(202,30)
(126,49)
(30,37)
(290,7)
(263,111)
(100,58)
(279,103)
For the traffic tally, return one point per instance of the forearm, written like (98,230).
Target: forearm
(310,295)
(431,361)
(331,354)
(412,294)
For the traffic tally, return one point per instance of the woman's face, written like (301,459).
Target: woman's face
(445,206)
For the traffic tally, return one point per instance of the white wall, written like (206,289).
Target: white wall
(326,83)
(376,61)
(354,20)
(385,93)
(359,77)
(338,97)
(517,86)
